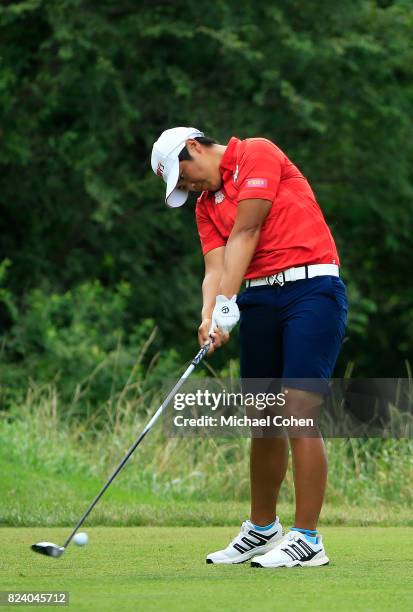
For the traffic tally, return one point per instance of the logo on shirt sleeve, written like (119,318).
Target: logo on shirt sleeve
(256,182)
(219,197)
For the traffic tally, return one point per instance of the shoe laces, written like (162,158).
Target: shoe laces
(295,535)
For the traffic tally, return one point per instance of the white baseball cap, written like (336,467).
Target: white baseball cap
(165,162)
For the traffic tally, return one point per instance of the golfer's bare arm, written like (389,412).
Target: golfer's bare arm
(214,267)
(242,243)
(225,266)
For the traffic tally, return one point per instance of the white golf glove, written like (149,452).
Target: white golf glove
(225,314)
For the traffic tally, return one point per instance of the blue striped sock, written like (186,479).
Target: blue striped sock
(309,534)
(260,528)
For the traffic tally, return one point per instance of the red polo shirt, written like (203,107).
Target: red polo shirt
(294,232)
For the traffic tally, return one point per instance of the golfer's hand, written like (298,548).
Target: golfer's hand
(226,314)
(205,334)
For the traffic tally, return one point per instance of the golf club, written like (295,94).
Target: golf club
(54,550)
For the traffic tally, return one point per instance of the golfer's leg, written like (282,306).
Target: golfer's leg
(261,358)
(309,457)
(310,479)
(268,464)
(313,334)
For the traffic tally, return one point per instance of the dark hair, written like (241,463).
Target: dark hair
(204,140)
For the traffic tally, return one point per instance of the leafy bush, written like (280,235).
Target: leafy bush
(84,342)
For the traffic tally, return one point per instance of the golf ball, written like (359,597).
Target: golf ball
(81,539)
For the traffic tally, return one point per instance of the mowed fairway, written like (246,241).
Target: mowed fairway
(162,568)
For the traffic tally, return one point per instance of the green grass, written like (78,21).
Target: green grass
(35,497)
(164,569)
(51,469)
(177,500)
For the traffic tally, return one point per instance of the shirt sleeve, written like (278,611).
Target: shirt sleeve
(259,171)
(209,235)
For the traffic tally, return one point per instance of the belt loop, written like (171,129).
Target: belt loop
(306,271)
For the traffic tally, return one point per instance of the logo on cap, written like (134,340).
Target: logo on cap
(160,169)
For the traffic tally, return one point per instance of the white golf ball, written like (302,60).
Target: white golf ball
(81,539)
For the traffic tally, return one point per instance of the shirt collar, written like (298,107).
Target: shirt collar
(230,155)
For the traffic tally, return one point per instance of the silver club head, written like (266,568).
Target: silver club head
(49,549)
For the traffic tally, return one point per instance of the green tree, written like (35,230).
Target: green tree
(85,88)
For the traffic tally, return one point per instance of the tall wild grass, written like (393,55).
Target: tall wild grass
(42,434)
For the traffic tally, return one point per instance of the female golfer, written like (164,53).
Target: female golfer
(259,222)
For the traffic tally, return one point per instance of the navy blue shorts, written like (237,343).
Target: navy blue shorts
(294,331)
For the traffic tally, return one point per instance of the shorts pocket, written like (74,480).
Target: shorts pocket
(339,293)
(256,296)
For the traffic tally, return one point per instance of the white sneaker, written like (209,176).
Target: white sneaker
(248,543)
(294,550)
